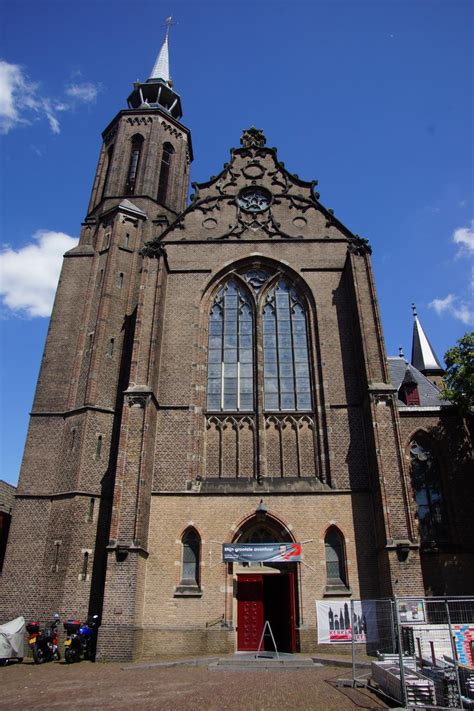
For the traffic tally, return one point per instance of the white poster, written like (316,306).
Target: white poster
(335,625)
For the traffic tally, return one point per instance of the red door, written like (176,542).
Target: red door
(249,612)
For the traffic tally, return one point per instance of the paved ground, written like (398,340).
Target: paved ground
(179,688)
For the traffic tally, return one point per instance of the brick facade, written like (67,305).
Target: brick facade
(122,456)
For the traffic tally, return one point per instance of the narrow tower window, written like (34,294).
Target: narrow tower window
(90,514)
(168,151)
(111,347)
(110,151)
(85,565)
(136,148)
(98,447)
(120,280)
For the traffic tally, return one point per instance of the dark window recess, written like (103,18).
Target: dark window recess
(120,280)
(73,439)
(98,449)
(335,559)
(136,149)
(165,167)
(127,240)
(111,347)
(426,481)
(90,514)
(85,565)
(55,566)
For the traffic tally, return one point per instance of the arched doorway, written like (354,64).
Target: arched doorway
(265,592)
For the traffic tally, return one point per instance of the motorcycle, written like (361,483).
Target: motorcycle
(12,641)
(44,642)
(81,639)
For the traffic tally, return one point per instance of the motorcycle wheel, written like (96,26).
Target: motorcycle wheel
(57,655)
(38,655)
(68,656)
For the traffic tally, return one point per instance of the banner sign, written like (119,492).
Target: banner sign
(261,552)
(335,625)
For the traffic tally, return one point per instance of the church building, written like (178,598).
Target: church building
(218,438)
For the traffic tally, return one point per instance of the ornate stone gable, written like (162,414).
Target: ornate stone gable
(255,198)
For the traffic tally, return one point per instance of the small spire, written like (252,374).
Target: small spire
(161,69)
(423,357)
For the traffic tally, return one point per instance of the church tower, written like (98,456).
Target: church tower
(57,552)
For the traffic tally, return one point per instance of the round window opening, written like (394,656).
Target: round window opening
(254,199)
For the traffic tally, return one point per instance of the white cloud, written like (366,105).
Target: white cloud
(86,91)
(21,100)
(453,306)
(29,276)
(464,237)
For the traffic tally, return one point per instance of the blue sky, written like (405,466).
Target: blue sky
(373,99)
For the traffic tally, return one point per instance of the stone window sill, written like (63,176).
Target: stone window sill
(187,591)
(337,591)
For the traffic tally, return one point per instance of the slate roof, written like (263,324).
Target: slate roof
(7,496)
(429,393)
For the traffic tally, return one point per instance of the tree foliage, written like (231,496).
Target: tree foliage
(459,377)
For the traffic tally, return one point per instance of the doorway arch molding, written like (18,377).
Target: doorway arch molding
(271,520)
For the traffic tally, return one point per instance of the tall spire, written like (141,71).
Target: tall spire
(161,68)
(157,92)
(423,357)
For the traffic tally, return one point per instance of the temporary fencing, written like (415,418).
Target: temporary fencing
(418,651)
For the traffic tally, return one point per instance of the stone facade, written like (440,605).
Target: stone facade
(124,454)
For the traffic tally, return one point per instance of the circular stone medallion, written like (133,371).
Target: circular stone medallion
(300,222)
(209,223)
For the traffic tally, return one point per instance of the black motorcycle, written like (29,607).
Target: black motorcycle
(44,642)
(81,639)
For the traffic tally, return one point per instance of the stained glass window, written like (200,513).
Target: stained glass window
(191,548)
(231,350)
(285,350)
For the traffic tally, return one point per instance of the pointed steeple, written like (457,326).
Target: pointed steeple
(161,68)
(157,91)
(423,357)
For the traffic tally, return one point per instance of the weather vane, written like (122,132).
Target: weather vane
(413,308)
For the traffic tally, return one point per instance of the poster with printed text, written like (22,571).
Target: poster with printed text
(335,625)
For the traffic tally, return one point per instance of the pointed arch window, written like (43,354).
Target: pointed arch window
(336,576)
(190,583)
(165,167)
(230,385)
(426,482)
(135,153)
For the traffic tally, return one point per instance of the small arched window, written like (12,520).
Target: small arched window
(136,149)
(426,482)
(191,550)
(336,576)
(165,167)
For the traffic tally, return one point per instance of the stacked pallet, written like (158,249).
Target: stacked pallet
(419,691)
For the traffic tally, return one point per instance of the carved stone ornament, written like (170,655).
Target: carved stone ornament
(253,138)
(139,121)
(153,249)
(137,400)
(359,246)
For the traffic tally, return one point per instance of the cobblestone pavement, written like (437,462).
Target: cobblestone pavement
(180,688)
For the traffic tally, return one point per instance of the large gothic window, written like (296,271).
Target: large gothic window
(230,355)
(426,481)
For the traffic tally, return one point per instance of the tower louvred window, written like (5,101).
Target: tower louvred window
(166,158)
(136,148)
